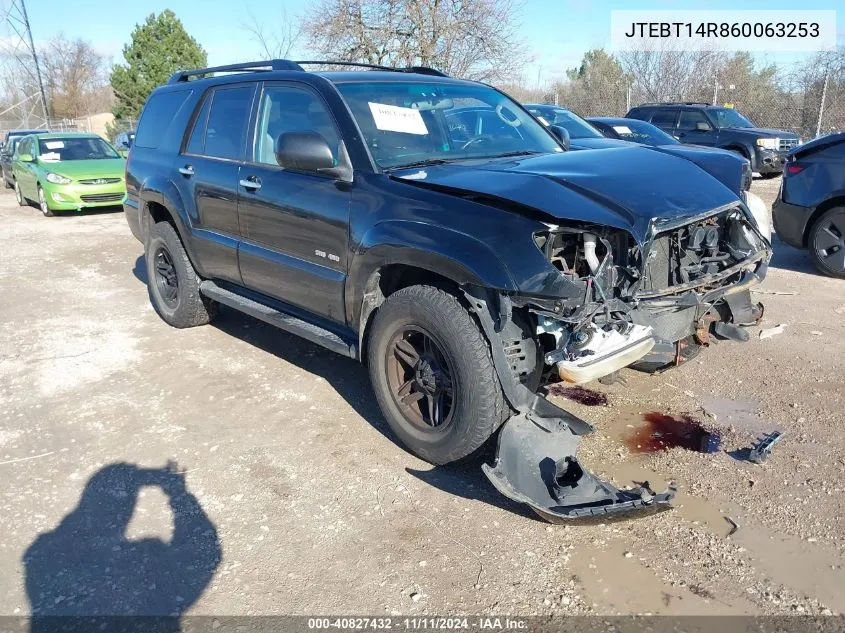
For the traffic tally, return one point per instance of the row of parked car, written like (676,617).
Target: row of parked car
(64,171)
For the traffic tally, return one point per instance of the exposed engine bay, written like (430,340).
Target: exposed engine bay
(640,301)
(648,305)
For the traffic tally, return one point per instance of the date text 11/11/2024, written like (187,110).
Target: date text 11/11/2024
(421,623)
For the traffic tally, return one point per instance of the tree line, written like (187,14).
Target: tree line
(472,39)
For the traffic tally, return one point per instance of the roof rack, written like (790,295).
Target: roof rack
(656,103)
(286,64)
(264,66)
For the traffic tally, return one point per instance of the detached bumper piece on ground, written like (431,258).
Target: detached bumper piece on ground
(536,465)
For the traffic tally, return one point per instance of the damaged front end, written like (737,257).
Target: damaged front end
(648,304)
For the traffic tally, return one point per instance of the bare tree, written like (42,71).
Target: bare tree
(75,78)
(274,44)
(472,39)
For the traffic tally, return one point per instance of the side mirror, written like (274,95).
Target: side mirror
(561,134)
(309,151)
(703,126)
(303,151)
(25,158)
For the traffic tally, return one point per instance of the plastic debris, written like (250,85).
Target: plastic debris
(772,331)
(762,449)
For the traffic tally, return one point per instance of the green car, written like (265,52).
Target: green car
(68,172)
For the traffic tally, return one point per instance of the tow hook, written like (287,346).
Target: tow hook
(536,465)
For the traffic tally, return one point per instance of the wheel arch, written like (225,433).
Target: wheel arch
(394,256)
(162,202)
(824,207)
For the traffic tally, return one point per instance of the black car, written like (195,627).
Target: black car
(582,135)
(632,130)
(7,150)
(367,212)
(725,128)
(809,211)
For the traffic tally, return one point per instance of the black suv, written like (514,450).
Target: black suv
(715,126)
(435,230)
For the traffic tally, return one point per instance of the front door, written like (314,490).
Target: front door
(208,177)
(694,127)
(294,225)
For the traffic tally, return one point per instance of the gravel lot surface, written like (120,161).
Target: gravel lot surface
(297,500)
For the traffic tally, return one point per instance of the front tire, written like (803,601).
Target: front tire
(42,204)
(172,282)
(826,243)
(433,376)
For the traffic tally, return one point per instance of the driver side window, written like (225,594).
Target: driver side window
(690,119)
(288,109)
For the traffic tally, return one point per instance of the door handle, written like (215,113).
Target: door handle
(252,185)
(187,170)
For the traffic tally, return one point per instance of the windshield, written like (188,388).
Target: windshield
(406,124)
(642,132)
(575,125)
(74,148)
(730,118)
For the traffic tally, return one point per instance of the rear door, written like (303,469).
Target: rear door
(694,127)
(294,225)
(665,119)
(208,176)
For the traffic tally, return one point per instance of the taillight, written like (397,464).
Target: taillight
(794,168)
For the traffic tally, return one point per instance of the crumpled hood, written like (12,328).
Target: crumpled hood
(625,187)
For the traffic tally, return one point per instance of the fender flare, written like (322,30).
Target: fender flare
(165,193)
(457,256)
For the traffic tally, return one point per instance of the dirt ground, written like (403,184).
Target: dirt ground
(297,500)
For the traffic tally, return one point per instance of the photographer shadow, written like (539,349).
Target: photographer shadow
(86,570)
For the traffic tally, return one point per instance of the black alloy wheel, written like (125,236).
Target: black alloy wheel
(419,375)
(166,279)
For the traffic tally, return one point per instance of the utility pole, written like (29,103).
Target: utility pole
(37,66)
(715,89)
(821,107)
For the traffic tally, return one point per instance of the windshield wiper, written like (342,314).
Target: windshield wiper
(424,163)
(521,152)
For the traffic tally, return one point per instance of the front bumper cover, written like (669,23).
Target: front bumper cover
(536,465)
(535,459)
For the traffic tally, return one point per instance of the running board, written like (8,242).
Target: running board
(279,319)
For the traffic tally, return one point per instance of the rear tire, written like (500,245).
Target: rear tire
(826,243)
(452,356)
(22,202)
(173,284)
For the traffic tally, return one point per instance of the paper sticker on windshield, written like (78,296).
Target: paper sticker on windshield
(54,144)
(50,156)
(396,119)
(622,129)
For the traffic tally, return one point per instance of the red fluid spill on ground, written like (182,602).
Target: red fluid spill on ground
(663,431)
(587,397)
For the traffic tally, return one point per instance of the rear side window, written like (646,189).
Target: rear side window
(196,144)
(638,113)
(225,132)
(158,114)
(664,118)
